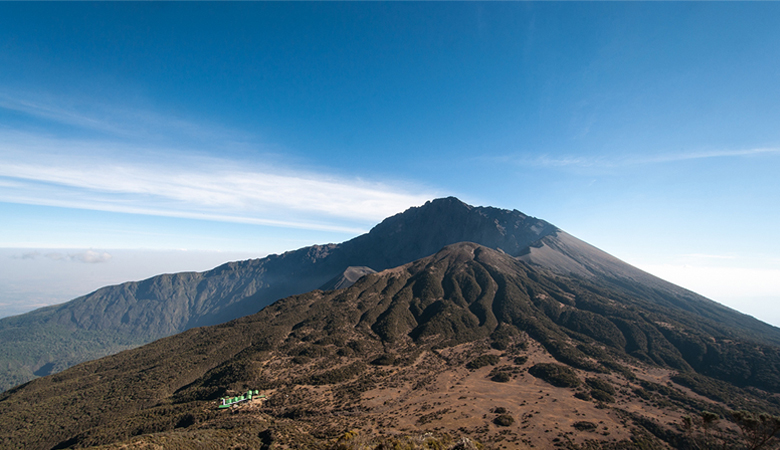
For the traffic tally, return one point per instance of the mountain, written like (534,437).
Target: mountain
(119,317)
(465,348)
(565,254)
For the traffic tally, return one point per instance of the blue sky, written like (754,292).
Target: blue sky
(651,130)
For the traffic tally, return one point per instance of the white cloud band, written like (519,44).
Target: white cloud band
(143,162)
(178,185)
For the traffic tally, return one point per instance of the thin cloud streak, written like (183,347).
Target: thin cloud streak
(56,114)
(176,185)
(707,154)
(219,196)
(602,162)
(109,206)
(120,122)
(125,171)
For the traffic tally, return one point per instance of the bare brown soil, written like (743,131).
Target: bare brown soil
(435,395)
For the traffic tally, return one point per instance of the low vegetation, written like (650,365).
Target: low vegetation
(482,361)
(504,420)
(555,374)
(584,425)
(353,440)
(405,351)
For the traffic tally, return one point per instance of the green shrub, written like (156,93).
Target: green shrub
(602,396)
(504,420)
(337,375)
(385,359)
(602,385)
(555,374)
(520,360)
(501,377)
(641,393)
(584,425)
(582,395)
(500,345)
(482,361)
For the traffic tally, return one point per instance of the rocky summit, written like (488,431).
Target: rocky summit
(469,347)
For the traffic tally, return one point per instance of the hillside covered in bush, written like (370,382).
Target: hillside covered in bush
(469,343)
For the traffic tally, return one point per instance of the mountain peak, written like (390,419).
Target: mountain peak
(423,230)
(448,202)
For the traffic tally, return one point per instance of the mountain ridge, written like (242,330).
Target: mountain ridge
(467,322)
(121,316)
(118,317)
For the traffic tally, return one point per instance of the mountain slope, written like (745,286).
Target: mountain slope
(564,254)
(440,345)
(115,318)
(350,275)
(118,317)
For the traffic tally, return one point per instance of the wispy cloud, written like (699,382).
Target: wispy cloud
(672,157)
(562,161)
(87,256)
(607,162)
(166,182)
(110,163)
(48,111)
(124,122)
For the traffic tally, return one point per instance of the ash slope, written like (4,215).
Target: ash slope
(563,253)
(390,354)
